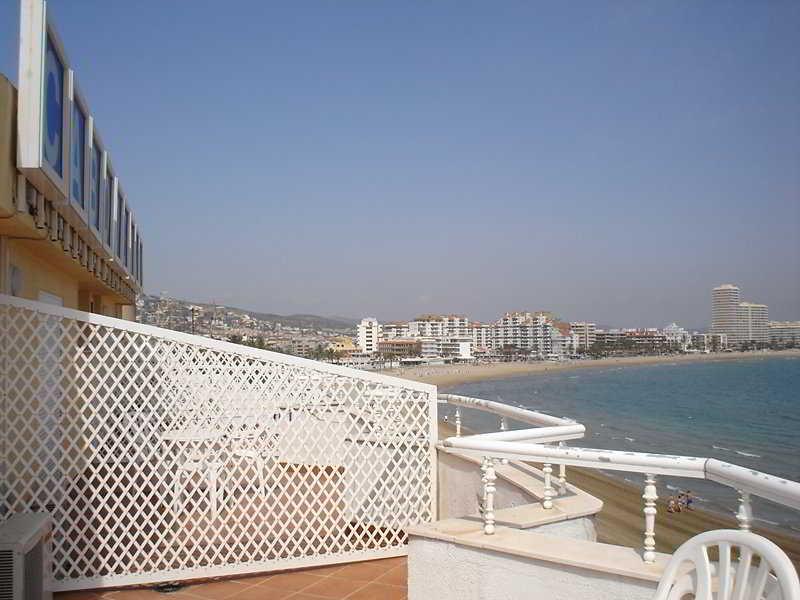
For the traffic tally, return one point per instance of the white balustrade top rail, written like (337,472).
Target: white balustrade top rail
(506,445)
(547,428)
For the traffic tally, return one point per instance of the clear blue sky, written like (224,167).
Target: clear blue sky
(610,162)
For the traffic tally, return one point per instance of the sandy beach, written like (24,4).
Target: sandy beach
(621,520)
(449,375)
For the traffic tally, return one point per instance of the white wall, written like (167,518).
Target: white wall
(444,571)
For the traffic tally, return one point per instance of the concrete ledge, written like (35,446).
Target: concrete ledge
(594,556)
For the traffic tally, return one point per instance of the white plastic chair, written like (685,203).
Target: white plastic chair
(691,573)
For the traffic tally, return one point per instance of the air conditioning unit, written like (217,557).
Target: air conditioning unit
(25,555)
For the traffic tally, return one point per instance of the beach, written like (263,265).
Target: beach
(621,520)
(450,375)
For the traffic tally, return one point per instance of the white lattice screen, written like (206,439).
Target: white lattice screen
(162,455)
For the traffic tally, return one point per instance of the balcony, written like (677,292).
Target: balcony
(163,456)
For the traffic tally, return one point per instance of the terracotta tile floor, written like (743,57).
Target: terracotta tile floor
(384,579)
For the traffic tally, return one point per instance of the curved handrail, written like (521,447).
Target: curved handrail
(507,444)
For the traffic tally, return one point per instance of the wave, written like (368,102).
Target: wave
(630,439)
(739,452)
(750,454)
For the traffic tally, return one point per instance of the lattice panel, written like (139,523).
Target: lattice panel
(160,455)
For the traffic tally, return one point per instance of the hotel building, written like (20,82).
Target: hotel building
(784,332)
(586,332)
(725,311)
(68,235)
(369,334)
(753,323)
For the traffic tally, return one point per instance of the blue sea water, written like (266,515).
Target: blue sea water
(745,411)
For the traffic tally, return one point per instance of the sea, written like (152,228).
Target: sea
(744,411)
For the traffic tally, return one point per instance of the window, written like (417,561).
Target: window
(126,241)
(94,201)
(78,154)
(109,207)
(53,130)
(120,211)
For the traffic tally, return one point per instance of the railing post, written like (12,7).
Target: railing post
(745,514)
(488,494)
(562,473)
(458,422)
(650,496)
(503,427)
(549,492)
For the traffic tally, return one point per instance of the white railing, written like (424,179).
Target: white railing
(162,455)
(508,445)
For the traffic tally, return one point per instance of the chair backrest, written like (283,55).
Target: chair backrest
(762,571)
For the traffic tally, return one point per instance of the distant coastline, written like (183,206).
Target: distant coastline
(445,376)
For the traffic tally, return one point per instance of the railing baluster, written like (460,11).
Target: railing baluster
(503,427)
(549,492)
(650,496)
(562,474)
(745,514)
(458,422)
(489,490)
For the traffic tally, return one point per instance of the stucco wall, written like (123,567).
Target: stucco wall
(446,571)
(460,488)
(40,276)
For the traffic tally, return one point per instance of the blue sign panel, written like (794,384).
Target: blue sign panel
(53,130)
(94,202)
(78,154)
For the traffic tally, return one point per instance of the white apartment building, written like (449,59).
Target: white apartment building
(784,332)
(709,342)
(586,332)
(396,329)
(447,347)
(564,342)
(753,323)
(440,326)
(677,335)
(482,337)
(369,333)
(725,311)
(525,331)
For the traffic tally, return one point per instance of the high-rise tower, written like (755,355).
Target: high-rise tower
(725,312)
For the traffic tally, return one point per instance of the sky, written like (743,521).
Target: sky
(611,162)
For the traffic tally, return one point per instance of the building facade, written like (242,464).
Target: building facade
(400,347)
(725,311)
(68,235)
(369,334)
(753,323)
(586,332)
(784,333)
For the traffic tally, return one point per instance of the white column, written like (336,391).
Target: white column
(562,474)
(650,496)
(458,422)
(503,427)
(745,514)
(489,490)
(549,492)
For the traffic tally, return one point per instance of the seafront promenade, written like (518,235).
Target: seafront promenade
(445,376)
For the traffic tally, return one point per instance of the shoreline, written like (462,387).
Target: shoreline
(445,376)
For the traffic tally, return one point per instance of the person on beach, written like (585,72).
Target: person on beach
(687,500)
(672,505)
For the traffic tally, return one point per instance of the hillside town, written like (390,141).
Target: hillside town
(302,335)
(453,338)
